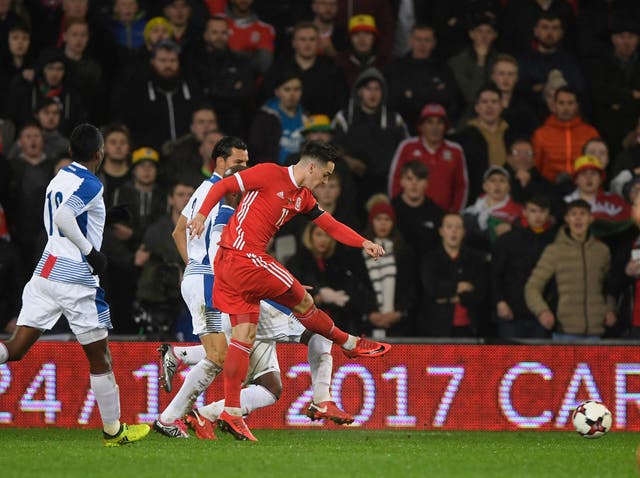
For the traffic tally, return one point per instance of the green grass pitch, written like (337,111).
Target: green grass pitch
(321,453)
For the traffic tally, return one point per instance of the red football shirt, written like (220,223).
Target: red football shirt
(271,199)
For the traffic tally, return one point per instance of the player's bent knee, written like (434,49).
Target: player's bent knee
(304,305)
(271,381)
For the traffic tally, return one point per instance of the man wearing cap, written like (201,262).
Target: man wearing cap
(493,213)
(323,85)
(448,182)
(361,53)
(382,11)
(157,107)
(369,132)
(144,198)
(611,213)
(419,78)
(615,83)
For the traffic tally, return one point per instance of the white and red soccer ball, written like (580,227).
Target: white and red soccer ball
(592,419)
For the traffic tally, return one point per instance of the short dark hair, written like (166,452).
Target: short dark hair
(423,26)
(541,201)
(20,26)
(304,25)
(180,181)
(223,148)
(167,45)
(85,141)
(550,16)
(202,107)
(565,89)
(520,139)
(595,139)
(577,204)
(491,87)
(116,128)
(418,168)
(320,151)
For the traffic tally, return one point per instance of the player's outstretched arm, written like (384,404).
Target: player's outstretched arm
(217,192)
(344,234)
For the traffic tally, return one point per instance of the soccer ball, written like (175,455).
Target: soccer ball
(592,419)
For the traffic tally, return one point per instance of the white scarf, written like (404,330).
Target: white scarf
(383,275)
(481,209)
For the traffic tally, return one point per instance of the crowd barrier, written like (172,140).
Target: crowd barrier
(415,386)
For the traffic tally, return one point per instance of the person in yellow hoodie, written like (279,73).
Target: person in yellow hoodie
(580,264)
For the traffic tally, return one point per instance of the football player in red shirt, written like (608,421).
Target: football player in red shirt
(246,274)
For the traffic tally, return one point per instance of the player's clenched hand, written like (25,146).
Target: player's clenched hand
(373,249)
(196,226)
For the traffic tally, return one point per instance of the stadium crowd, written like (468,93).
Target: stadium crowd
(491,146)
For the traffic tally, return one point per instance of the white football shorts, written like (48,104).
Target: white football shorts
(44,301)
(197,291)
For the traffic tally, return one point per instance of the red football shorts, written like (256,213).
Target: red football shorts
(243,279)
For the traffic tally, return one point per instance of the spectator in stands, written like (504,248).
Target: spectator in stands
(597,148)
(182,156)
(472,66)
(580,265)
(485,138)
(454,281)
(331,199)
(16,61)
(626,277)
(276,131)
(382,13)
(615,83)
(393,276)
(250,36)
(30,174)
(516,111)
(418,217)
(341,286)
(419,78)
(323,86)
(361,52)
(179,14)
(144,198)
(560,139)
(84,73)
(157,108)
(48,117)
(226,77)
(207,167)
(627,163)
(8,18)
(333,37)
(50,82)
(493,213)
(610,213)
(526,181)
(12,278)
(369,132)
(115,171)
(555,81)
(127,25)
(159,284)
(520,18)
(444,159)
(515,254)
(548,54)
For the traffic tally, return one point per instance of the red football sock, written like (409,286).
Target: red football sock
(235,371)
(317,321)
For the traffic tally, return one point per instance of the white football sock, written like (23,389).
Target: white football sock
(351,342)
(197,380)
(190,355)
(4,353)
(107,395)
(251,398)
(321,365)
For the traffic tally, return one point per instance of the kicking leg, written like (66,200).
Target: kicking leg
(19,344)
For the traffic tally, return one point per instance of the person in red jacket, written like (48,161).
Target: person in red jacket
(448,183)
